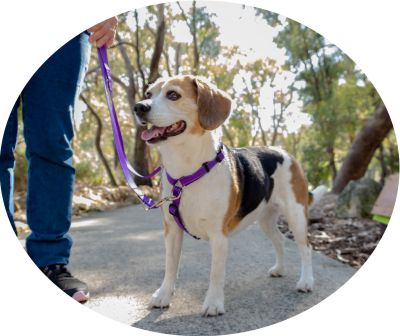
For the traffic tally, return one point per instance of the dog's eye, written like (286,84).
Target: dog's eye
(148,94)
(173,95)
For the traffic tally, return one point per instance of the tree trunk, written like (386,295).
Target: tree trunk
(253,141)
(196,56)
(193,31)
(384,168)
(363,148)
(139,153)
(138,58)
(332,165)
(141,158)
(274,137)
(158,48)
(167,62)
(98,142)
(393,157)
(264,140)
(178,58)
(115,160)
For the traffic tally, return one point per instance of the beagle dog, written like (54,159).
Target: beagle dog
(253,184)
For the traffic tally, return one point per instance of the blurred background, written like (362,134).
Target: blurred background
(290,87)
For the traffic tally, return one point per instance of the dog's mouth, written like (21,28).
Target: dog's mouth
(155,134)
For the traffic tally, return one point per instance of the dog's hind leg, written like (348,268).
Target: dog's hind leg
(269,224)
(297,219)
(173,246)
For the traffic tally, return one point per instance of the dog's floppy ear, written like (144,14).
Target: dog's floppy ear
(213,104)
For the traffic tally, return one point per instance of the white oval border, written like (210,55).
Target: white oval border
(366,31)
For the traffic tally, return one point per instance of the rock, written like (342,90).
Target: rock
(323,208)
(329,207)
(358,198)
(315,215)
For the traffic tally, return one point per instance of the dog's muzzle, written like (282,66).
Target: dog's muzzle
(141,110)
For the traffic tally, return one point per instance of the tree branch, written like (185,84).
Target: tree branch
(185,18)
(120,82)
(137,49)
(159,45)
(116,45)
(132,89)
(98,141)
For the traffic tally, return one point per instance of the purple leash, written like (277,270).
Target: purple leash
(127,169)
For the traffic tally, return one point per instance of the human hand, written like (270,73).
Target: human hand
(104,32)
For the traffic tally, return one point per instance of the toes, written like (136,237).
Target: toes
(213,310)
(305,286)
(213,307)
(155,306)
(276,272)
(160,299)
(158,303)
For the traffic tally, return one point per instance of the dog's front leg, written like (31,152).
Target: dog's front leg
(173,246)
(214,302)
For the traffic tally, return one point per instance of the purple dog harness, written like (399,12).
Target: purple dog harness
(179,184)
(128,171)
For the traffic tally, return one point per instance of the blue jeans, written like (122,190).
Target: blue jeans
(48,102)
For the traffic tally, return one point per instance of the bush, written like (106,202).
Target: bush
(88,173)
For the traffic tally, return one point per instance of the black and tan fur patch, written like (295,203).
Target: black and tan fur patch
(251,181)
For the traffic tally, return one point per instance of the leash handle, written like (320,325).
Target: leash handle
(126,167)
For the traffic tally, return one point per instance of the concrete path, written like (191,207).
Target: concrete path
(120,254)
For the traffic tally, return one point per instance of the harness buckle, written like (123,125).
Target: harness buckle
(206,167)
(173,209)
(176,191)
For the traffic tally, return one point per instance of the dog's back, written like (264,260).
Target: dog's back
(255,167)
(267,176)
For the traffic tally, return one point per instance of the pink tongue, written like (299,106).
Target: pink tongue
(152,133)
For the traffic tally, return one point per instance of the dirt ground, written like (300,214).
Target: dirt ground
(349,240)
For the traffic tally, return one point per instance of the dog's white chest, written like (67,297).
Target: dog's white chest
(202,203)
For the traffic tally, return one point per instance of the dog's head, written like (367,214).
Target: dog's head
(181,105)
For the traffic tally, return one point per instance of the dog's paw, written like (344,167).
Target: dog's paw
(276,271)
(305,285)
(213,306)
(161,298)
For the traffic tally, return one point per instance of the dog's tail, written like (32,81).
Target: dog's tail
(316,195)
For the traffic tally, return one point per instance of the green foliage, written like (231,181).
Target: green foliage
(239,124)
(334,91)
(86,173)
(327,85)
(208,33)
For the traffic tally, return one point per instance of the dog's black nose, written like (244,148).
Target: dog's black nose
(142,108)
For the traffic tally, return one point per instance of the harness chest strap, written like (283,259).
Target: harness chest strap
(179,184)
